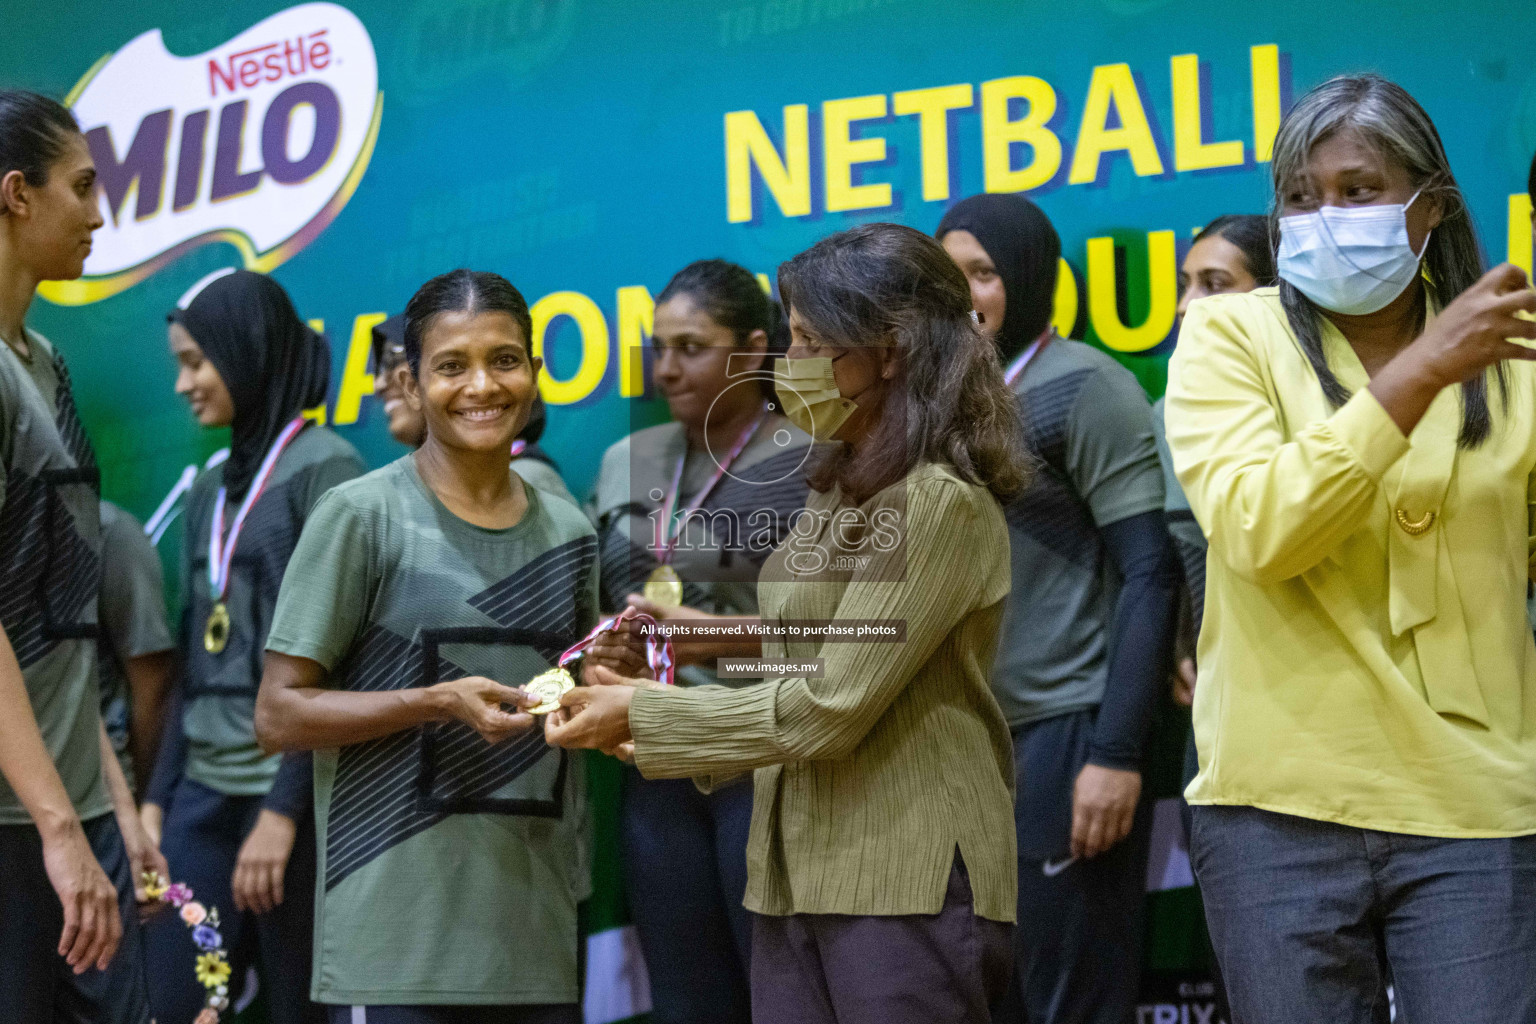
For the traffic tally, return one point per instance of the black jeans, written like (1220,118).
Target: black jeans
(685,866)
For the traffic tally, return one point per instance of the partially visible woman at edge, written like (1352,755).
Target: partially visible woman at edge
(238,824)
(1360,447)
(406,425)
(451,837)
(71,848)
(728,471)
(881,864)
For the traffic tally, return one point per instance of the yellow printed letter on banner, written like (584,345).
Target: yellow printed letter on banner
(635,320)
(932,106)
(1163,286)
(1520,229)
(1064,306)
(594,345)
(1190,150)
(317,414)
(842,151)
(1264,64)
(1114,84)
(998,134)
(788,178)
(356,381)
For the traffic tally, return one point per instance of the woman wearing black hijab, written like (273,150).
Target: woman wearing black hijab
(238,824)
(1087,639)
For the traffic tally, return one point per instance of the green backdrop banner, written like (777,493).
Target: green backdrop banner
(586,150)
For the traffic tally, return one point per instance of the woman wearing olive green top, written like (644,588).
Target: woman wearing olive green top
(881,863)
(1360,448)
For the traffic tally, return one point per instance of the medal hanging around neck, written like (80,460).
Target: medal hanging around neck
(664,586)
(1016,367)
(221,551)
(552,684)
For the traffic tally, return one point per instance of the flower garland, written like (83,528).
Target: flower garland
(212,965)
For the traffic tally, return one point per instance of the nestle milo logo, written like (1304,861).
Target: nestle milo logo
(258,142)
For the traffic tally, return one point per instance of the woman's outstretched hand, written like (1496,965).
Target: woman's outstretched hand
(596,717)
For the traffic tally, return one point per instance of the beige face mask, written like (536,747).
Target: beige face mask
(808,394)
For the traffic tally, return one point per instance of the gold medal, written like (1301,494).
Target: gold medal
(664,587)
(217,633)
(548,687)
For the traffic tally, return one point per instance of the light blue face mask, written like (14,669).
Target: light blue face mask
(1350,259)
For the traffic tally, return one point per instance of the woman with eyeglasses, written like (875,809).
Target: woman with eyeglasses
(1359,445)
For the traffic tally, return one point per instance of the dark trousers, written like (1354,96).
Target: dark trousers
(36,985)
(551,1013)
(1304,914)
(1079,940)
(946,968)
(203,832)
(685,866)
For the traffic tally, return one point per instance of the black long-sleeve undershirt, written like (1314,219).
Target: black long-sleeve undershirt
(1141,643)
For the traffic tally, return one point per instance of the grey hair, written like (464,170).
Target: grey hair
(1386,118)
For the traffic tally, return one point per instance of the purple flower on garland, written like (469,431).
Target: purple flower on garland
(178,894)
(206,937)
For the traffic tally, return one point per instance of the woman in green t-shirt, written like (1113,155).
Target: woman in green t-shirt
(451,840)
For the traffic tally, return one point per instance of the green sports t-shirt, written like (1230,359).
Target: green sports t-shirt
(220,688)
(50,570)
(1088,421)
(132,616)
(449,869)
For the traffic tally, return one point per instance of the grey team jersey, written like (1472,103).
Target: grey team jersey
(1087,419)
(450,869)
(50,562)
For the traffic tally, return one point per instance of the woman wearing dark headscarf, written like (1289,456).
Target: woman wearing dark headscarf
(239,822)
(1086,642)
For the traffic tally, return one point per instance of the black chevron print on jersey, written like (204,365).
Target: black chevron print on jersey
(1049,510)
(51,574)
(395,787)
(544,596)
(67,419)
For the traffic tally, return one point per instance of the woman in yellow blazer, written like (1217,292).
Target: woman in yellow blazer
(1359,445)
(881,864)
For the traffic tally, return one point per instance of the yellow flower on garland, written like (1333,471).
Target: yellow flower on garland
(154,885)
(212,969)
